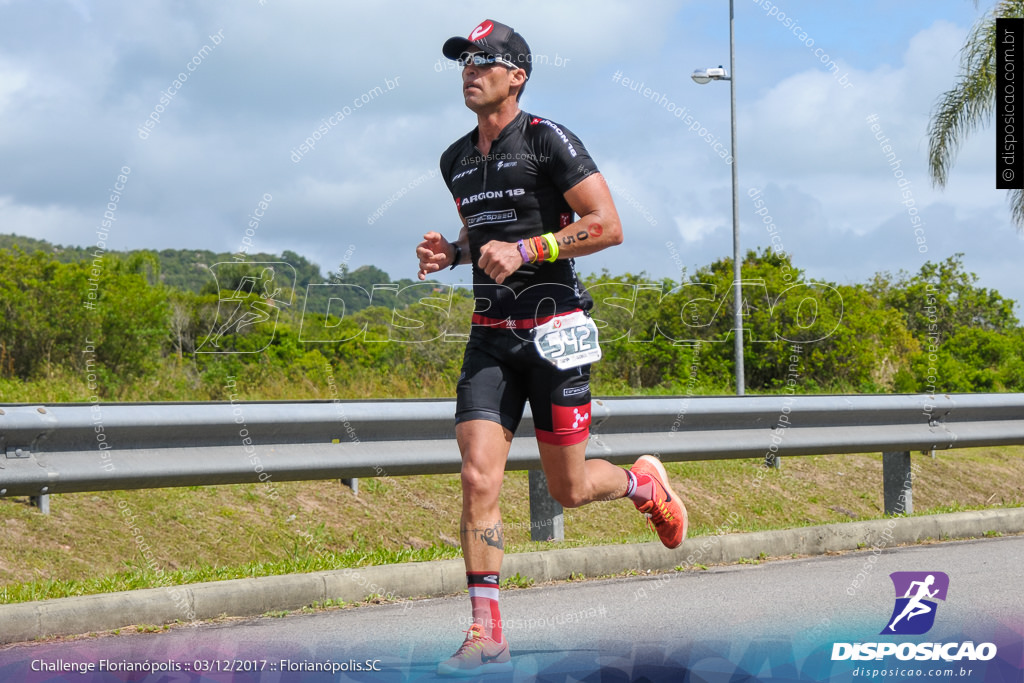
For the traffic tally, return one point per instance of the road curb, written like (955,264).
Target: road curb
(253,597)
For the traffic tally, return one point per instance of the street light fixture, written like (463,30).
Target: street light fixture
(703,76)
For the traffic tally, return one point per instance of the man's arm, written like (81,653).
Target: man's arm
(598,228)
(435,252)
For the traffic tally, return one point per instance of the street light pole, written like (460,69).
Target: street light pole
(706,76)
(736,257)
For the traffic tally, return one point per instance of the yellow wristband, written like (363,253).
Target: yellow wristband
(553,243)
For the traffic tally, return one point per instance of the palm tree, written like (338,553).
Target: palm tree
(971,103)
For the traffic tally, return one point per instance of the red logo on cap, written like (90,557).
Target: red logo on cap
(481,31)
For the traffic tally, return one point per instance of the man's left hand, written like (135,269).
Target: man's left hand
(500,259)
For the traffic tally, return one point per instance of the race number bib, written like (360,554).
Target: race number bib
(568,341)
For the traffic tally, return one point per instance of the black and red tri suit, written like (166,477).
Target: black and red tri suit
(517,191)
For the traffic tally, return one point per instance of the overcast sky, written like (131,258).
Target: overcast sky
(79,80)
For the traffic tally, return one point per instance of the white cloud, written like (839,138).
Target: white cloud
(12,80)
(696,228)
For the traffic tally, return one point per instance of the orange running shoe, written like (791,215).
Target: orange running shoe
(478,655)
(665,512)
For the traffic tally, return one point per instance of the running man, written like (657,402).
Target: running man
(915,607)
(518,182)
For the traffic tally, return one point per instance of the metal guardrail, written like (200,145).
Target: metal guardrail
(67,448)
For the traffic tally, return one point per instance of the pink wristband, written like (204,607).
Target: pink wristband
(522,252)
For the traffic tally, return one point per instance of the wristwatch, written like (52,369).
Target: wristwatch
(457,257)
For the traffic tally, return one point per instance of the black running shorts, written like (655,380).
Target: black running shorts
(501,370)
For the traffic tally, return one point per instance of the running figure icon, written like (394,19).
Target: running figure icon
(916,607)
(917,595)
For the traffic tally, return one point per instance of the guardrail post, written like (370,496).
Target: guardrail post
(896,480)
(42,502)
(547,522)
(353,484)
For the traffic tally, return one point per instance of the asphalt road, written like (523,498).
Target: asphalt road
(776,620)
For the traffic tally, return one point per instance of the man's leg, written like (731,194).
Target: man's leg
(574,481)
(484,446)
(561,414)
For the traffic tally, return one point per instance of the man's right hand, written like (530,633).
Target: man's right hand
(434,253)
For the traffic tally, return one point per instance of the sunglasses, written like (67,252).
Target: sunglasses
(482,59)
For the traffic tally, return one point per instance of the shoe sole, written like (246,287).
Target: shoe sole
(656,464)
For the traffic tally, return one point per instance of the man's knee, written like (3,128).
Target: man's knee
(476,479)
(568,495)
(479,474)
(484,448)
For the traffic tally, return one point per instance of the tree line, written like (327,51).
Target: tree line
(358,334)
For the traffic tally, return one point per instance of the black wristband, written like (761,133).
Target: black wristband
(457,257)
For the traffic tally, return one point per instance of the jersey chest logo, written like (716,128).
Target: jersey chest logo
(490,194)
(508,216)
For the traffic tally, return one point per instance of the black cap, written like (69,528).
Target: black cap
(494,39)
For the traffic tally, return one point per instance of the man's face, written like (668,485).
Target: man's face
(487,85)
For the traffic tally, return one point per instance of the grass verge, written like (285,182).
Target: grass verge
(124,540)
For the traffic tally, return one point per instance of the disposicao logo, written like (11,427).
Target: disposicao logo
(912,615)
(916,592)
